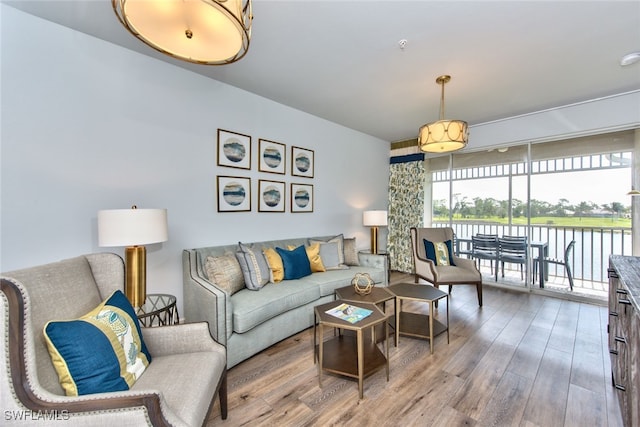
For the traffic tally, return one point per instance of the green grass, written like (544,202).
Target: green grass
(549,220)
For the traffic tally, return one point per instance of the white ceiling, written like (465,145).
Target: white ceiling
(341,60)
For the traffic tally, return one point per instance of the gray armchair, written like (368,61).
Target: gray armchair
(463,273)
(178,388)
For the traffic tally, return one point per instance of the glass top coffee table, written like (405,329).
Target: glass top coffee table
(417,324)
(354,357)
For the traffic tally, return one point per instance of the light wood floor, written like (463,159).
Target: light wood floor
(521,360)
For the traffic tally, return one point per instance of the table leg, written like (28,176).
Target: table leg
(431,325)
(360,362)
(398,308)
(386,344)
(320,353)
(448,319)
(315,320)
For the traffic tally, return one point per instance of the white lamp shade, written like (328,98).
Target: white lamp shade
(374,218)
(132,227)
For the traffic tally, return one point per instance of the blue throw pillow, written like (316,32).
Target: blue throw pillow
(441,253)
(296,262)
(100,352)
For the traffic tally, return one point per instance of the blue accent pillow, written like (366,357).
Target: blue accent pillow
(296,262)
(441,253)
(100,352)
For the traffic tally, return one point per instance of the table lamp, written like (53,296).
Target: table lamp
(133,228)
(374,219)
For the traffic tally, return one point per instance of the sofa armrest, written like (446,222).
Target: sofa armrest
(380,261)
(203,300)
(184,338)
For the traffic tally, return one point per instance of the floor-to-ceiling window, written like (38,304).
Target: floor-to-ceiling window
(553,193)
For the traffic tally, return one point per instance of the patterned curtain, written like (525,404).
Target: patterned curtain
(406,207)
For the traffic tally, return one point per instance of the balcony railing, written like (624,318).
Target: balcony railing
(590,257)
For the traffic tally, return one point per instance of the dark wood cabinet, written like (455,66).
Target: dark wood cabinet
(624,334)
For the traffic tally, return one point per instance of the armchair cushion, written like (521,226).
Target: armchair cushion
(439,252)
(101,351)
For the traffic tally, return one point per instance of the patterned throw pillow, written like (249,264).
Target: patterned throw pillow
(439,252)
(350,251)
(100,352)
(275,265)
(254,266)
(225,271)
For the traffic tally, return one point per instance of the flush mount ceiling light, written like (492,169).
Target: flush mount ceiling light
(444,135)
(209,32)
(630,58)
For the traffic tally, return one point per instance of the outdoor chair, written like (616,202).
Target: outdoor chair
(564,262)
(485,246)
(460,271)
(513,249)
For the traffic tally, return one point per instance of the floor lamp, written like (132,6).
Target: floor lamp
(133,228)
(374,219)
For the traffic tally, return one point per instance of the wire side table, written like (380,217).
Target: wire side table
(158,310)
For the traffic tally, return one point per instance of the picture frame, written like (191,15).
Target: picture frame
(234,194)
(272,156)
(301,196)
(302,162)
(271,196)
(234,149)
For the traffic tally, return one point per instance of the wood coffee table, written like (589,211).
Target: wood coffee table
(354,357)
(416,324)
(378,296)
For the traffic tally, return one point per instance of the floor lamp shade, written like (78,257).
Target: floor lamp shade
(133,228)
(374,219)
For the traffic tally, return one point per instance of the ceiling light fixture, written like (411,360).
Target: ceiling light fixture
(444,135)
(630,58)
(209,32)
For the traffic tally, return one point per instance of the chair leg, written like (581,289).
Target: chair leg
(569,275)
(479,289)
(415,278)
(223,396)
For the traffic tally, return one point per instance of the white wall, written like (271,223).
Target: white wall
(87,125)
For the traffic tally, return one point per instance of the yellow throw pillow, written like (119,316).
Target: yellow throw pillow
(275,264)
(313,253)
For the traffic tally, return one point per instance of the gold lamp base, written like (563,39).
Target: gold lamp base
(374,240)
(135,287)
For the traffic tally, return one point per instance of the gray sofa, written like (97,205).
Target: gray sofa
(169,392)
(249,321)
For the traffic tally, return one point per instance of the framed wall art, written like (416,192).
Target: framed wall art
(234,149)
(301,162)
(301,198)
(272,156)
(271,196)
(234,194)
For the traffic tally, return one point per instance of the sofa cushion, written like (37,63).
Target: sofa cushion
(225,271)
(350,252)
(329,281)
(253,265)
(275,265)
(296,262)
(315,260)
(100,352)
(254,308)
(331,252)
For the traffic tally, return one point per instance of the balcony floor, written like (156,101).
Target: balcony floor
(583,290)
